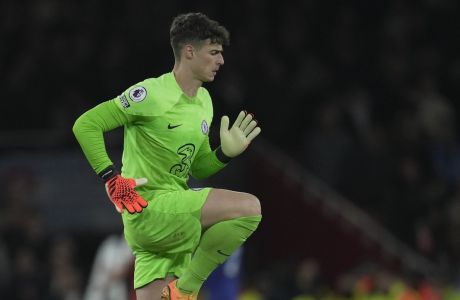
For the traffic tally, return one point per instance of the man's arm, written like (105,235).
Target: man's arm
(208,162)
(90,127)
(88,130)
(233,142)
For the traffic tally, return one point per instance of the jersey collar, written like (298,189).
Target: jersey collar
(171,80)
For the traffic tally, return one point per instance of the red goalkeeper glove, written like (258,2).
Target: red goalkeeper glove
(121,191)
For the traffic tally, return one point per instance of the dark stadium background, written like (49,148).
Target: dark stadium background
(357,167)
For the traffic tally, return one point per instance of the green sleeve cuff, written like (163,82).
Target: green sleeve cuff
(208,163)
(221,156)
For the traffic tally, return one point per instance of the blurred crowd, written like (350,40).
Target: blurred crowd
(303,280)
(363,94)
(34,264)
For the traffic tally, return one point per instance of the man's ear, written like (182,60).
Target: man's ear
(189,51)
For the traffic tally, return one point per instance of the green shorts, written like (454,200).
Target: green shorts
(165,234)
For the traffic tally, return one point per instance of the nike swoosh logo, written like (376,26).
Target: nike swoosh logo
(173,126)
(222,253)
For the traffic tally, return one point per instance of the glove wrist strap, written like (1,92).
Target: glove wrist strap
(221,156)
(108,173)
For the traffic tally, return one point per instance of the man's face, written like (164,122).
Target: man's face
(206,61)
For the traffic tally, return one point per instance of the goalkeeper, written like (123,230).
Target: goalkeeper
(178,235)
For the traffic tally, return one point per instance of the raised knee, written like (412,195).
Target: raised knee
(253,207)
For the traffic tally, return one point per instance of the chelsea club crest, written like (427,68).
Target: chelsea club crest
(204,127)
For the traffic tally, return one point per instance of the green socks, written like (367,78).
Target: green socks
(216,245)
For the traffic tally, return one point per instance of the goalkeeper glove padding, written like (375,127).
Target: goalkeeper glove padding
(235,140)
(121,191)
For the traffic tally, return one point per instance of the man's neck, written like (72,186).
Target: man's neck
(186,81)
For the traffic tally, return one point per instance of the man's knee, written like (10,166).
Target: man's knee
(252,206)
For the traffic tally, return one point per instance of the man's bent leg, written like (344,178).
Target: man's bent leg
(224,205)
(152,291)
(230,217)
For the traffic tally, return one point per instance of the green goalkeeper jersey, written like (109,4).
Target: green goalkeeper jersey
(164,147)
(165,133)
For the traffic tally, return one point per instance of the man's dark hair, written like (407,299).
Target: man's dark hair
(195,28)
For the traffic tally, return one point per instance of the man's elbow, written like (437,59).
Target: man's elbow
(76,128)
